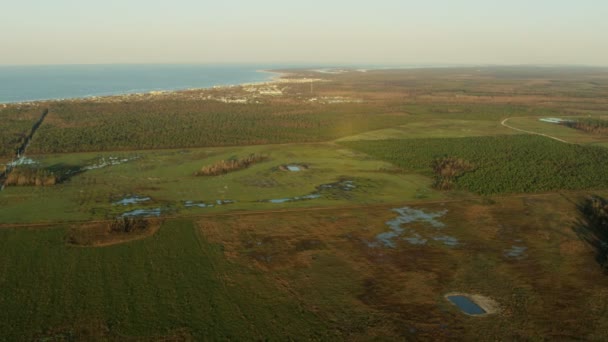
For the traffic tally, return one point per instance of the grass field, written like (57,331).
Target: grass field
(570,135)
(167,177)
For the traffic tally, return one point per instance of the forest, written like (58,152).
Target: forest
(503,164)
(74,127)
(17,123)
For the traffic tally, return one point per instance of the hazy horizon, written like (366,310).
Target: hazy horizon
(387,33)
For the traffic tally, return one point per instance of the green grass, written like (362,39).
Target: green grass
(435,128)
(154,287)
(568,134)
(504,164)
(167,176)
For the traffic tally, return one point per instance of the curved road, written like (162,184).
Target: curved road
(504,123)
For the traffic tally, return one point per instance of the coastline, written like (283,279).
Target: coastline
(274,77)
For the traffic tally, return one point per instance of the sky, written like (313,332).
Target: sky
(330,32)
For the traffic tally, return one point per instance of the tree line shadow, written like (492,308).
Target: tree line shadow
(592,227)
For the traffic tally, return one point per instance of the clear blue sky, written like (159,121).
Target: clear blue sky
(306,31)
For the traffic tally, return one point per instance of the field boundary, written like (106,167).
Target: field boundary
(35,225)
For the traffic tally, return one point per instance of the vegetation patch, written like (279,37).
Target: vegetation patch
(31,177)
(594,126)
(120,230)
(503,164)
(447,170)
(225,166)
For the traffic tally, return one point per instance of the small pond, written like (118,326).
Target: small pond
(466,305)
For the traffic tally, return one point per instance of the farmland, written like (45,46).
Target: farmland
(347,212)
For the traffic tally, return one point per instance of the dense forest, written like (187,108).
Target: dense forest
(503,164)
(72,127)
(17,123)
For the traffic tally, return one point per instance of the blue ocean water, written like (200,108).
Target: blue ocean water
(29,83)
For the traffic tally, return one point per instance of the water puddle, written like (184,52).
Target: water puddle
(22,161)
(294,199)
(323,189)
(467,306)
(110,161)
(407,216)
(191,204)
(132,200)
(516,252)
(294,167)
(447,240)
(142,213)
(344,185)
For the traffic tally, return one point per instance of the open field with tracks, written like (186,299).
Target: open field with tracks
(337,231)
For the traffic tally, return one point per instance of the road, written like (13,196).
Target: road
(504,123)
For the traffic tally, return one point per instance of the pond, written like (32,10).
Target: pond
(466,305)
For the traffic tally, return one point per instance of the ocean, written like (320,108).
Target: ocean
(30,83)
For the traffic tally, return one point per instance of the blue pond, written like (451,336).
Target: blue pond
(467,305)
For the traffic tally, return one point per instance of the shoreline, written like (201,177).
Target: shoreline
(274,78)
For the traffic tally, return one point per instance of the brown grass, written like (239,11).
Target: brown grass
(323,259)
(101,234)
(225,166)
(31,177)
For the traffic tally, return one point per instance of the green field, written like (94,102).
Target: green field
(167,177)
(189,289)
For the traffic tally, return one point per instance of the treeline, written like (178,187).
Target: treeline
(595,126)
(225,166)
(503,164)
(593,227)
(72,127)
